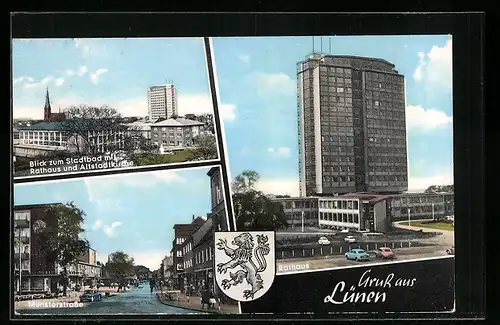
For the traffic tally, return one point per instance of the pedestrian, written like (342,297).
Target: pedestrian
(205,298)
(152,285)
(212,301)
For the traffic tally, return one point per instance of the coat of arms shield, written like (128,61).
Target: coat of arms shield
(245,264)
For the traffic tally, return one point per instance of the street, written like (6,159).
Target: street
(135,301)
(326,262)
(421,248)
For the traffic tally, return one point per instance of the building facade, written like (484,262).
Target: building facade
(300,210)
(53,136)
(351,126)
(422,206)
(40,272)
(162,102)
(218,213)
(179,132)
(181,234)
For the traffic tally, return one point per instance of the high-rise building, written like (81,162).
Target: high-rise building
(162,102)
(351,125)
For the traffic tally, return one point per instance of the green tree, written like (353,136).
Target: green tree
(60,234)
(119,266)
(253,209)
(245,181)
(206,147)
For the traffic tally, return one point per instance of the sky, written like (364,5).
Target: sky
(115,72)
(257,78)
(134,213)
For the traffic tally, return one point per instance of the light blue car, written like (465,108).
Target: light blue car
(357,254)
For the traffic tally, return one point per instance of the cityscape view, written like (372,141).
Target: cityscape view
(106,103)
(354,153)
(115,236)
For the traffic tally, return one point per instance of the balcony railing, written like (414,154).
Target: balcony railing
(22,223)
(24,256)
(24,239)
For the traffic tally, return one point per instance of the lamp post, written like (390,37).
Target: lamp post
(432,211)
(409,218)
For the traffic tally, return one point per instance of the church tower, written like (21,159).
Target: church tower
(47,110)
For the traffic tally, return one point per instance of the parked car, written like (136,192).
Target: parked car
(344,231)
(357,254)
(451,250)
(385,252)
(323,241)
(350,239)
(91,295)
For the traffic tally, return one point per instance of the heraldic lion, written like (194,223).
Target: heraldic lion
(242,256)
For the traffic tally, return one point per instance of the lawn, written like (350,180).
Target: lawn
(178,156)
(434,225)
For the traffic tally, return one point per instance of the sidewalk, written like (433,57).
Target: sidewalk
(194,303)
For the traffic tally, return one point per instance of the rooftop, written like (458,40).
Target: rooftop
(178,122)
(372,197)
(49,126)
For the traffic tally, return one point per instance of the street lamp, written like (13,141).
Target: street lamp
(432,211)
(409,218)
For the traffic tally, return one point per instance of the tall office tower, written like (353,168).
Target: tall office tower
(351,125)
(162,101)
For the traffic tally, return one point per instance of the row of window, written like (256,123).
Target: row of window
(420,199)
(338,179)
(339,217)
(387,178)
(165,128)
(392,78)
(299,204)
(339,204)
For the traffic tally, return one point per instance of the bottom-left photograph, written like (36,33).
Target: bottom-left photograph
(138,243)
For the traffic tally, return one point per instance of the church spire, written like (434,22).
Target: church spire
(47,100)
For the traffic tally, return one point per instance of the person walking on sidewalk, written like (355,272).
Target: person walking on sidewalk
(151,285)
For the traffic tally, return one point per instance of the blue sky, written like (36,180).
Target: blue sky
(116,72)
(132,212)
(257,79)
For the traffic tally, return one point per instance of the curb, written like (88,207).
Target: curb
(187,308)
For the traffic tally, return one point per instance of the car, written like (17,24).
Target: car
(323,241)
(344,231)
(91,295)
(451,250)
(385,253)
(357,254)
(350,239)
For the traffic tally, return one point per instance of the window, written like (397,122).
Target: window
(340,89)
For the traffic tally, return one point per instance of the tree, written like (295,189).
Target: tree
(245,181)
(119,266)
(253,209)
(61,236)
(206,147)
(82,119)
(141,272)
(439,188)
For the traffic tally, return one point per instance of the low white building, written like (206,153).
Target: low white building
(53,135)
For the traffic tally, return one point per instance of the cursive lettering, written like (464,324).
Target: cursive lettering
(367,281)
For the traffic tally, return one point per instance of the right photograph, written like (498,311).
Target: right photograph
(343,146)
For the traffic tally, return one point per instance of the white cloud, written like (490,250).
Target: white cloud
(244,58)
(423,182)
(43,82)
(59,81)
(435,67)
(109,230)
(80,72)
(275,83)
(421,119)
(279,186)
(97,225)
(281,152)
(94,77)
(23,79)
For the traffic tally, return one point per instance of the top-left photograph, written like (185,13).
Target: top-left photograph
(82,105)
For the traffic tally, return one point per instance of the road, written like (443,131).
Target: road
(326,262)
(135,301)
